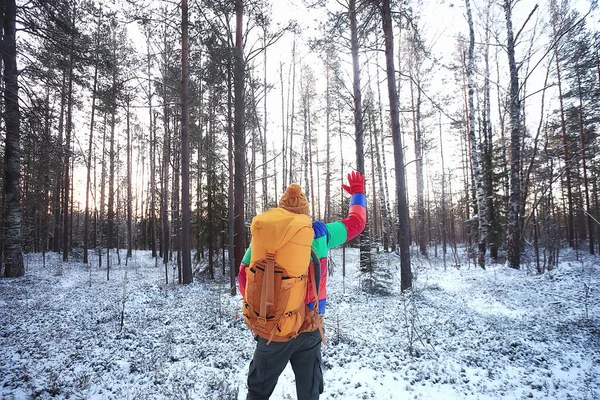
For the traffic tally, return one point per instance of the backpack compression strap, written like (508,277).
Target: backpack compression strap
(267,295)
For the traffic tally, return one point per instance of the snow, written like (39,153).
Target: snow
(461,334)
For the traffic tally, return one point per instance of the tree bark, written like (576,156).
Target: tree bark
(233,271)
(86,222)
(588,207)
(152,134)
(186,251)
(265,186)
(284,173)
(563,129)
(443,195)
(68,131)
(327,211)
(477,176)
(488,154)
(176,218)
(292,117)
(513,242)
(384,194)
(56,198)
(239,139)
(416,117)
(365,247)
(405,269)
(199,176)
(129,193)
(166,162)
(110,242)
(102,215)
(13,253)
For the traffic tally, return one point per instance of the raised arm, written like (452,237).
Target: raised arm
(340,232)
(337,233)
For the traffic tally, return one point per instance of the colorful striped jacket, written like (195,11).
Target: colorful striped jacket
(327,236)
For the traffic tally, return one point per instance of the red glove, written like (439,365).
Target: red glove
(356,182)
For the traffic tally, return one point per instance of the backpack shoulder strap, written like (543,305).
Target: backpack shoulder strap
(317,271)
(316,284)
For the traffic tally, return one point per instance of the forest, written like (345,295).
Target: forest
(166,126)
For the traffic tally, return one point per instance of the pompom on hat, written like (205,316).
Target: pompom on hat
(294,200)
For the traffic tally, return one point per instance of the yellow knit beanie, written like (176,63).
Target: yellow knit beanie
(294,200)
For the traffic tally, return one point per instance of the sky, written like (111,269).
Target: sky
(440,22)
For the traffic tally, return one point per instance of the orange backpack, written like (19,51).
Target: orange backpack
(276,278)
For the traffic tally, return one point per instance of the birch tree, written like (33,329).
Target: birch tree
(513,241)
(475,159)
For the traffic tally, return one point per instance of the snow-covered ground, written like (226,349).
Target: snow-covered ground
(67,332)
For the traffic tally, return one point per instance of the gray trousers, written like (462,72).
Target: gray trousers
(303,352)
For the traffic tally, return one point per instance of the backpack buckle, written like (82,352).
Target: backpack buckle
(262,321)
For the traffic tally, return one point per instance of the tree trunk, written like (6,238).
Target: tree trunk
(129,194)
(152,134)
(110,242)
(284,173)
(291,116)
(563,129)
(513,242)
(365,255)
(305,174)
(13,253)
(493,234)
(164,209)
(47,183)
(384,194)
(211,184)
(233,270)
(251,192)
(152,210)
(376,212)
(416,116)
(596,203)
(239,139)
(56,198)
(405,269)
(327,211)
(314,212)
(186,250)
(477,176)
(503,143)
(265,161)
(86,222)
(199,165)
(176,234)
(67,162)
(103,173)
(443,195)
(588,207)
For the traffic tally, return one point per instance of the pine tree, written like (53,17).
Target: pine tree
(11,221)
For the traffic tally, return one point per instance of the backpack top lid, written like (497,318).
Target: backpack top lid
(286,234)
